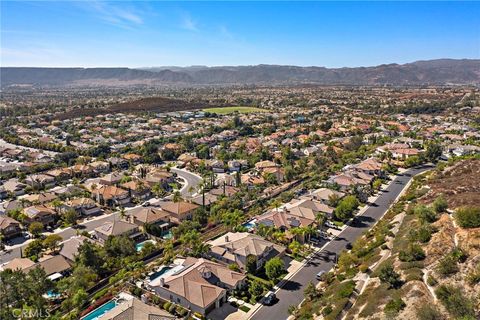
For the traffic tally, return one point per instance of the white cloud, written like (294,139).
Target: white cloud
(114,14)
(225,32)
(188,23)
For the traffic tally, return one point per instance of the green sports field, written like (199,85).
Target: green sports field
(228,110)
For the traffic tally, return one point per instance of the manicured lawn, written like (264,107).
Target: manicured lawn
(239,109)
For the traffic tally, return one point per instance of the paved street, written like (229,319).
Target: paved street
(292,292)
(189,189)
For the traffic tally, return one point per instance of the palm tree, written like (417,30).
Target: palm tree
(320,219)
(297,231)
(177,196)
(279,236)
(232,219)
(122,212)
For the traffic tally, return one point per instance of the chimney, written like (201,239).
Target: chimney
(226,238)
(162,282)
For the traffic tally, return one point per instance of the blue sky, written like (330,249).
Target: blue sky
(157,33)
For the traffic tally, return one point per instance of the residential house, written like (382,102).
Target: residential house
(150,215)
(40,213)
(111,179)
(55,267)
(9,228)
(235,247)
(201,285)
(111,196)
(204,199)
(40,181)
(40,198)
(17,264)
(138,189)
(179,211)
(61,174)
(83,206)
(70,247)
(14,187)
(325,195)
(135,309)
(117,228)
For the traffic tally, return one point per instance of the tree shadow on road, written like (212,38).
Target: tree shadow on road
(291,285)
(361,222)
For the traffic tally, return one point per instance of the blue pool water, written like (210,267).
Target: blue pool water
(249,225)
(51,295)
(139,246)
(159,272)
(97,313)
(167,235)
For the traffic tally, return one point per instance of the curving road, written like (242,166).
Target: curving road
(292,291)
(192,181)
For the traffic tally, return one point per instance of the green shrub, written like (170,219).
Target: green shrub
(423,234)
(447,266)
(363,268)
(394,306)
(431,281)
(346,289)
(428,312)
(459,255)
(100,294)
(440,204)
(327,310)
(414,275)
(473,277)
(468,217)
(244,308)
(388,275)
(413,253)
(425,214)
(456,303)
(171,308)
(181,311)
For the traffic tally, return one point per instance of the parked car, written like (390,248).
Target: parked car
(319,275)
(269,298)
(332,225)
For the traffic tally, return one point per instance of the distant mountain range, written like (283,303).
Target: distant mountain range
(434,72)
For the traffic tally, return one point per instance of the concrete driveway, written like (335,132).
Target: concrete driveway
(224,312)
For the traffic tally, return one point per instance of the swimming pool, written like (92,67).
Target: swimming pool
(97,313)
(160,272)
(250,224)
(167,235)
(52,295)
(139,246)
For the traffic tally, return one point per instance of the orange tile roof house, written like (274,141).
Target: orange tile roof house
(201,285)
(179,211)
(111,196)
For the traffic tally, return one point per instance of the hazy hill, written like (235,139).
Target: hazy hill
(442,71)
